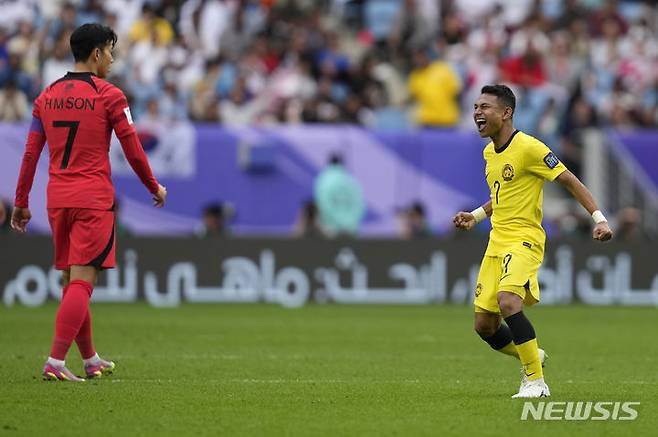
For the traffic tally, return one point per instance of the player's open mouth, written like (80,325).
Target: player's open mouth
(481,124)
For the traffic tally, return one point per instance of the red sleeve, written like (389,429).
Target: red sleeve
(135,155)
(122,123)
(36,138)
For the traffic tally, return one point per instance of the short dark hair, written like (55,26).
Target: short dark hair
(88,37)
(503,92)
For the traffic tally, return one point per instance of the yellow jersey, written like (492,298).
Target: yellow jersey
(515,175)
(436,89)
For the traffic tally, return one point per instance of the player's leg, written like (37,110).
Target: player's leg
(511,307)
(517,272)
(84,339)
(72,312)
(523,333)
(487,318)
(95,242)
(496,334)
(90,246)
(94,365)
(55,369)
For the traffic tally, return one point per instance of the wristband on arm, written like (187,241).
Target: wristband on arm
(598,217)
(479,214)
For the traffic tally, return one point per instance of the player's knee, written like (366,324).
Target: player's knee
(66,277)
(485,328)
(509,303)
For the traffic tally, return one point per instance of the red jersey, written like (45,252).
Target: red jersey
(76,116)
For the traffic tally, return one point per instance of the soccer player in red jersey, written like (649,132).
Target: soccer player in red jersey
(76,115)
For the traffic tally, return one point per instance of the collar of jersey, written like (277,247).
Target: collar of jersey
(79,73)
(506,145)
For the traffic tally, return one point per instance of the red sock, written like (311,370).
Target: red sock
(84,340)
(71,315)
(84,337)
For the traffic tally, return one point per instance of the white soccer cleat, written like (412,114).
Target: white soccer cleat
(543,356)
(536,388)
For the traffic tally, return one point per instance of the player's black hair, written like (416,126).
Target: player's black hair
(503,93)
(88,37)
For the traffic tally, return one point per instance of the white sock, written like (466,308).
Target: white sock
(92,360)
(56,363)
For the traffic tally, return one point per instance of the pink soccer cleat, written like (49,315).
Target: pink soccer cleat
(102,367)
(52,373)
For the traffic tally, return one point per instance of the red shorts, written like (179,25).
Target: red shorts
(82,237)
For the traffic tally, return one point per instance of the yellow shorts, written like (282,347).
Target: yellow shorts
(514,271)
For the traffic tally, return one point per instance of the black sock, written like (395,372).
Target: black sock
(501,338)
(521,328)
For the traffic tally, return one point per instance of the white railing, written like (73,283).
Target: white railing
(616,179)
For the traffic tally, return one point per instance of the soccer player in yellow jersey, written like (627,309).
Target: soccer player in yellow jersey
(516,167)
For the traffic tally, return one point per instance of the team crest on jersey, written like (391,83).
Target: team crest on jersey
(508,172)
(478,290)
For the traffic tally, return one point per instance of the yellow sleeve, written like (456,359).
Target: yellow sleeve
(541,162)
(411,84)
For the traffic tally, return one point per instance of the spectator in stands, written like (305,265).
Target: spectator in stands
(151,28)
(57,65)
(629,225)
(415,25)
(526,69)
(609,12)
(572,10)
(65,23)
(308,222)
(575,224)
(414,222)
(12,74)
(579,117)
(26,44)
(13,103)
(300,58)
(434,87)
(216,216)
(339,199)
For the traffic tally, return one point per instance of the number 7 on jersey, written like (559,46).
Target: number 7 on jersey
(73,130)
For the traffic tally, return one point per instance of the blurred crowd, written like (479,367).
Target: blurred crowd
(390,63)
(573,64)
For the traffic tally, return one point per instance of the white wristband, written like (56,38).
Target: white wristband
(479,214)
(598,217)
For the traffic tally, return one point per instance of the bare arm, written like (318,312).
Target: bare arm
(579,191)
(488,208)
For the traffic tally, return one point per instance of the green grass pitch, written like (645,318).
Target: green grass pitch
(322,370)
